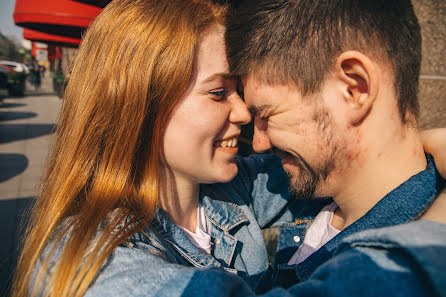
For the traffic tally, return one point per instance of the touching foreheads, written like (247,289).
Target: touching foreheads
(298,41)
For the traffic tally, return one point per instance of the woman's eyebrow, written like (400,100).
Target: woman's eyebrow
(221,75)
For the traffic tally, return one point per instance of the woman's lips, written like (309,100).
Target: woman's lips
(227,150)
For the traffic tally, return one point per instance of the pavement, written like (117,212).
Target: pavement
(27,127)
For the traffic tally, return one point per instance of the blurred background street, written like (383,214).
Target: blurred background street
(26,129)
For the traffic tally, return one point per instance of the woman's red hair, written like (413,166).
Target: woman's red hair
(102,182)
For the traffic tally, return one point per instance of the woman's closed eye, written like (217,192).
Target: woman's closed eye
(219,94)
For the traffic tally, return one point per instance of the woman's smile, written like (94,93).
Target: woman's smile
(227,145)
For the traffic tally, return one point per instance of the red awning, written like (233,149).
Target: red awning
(98,3)
(57,17)
(50,39)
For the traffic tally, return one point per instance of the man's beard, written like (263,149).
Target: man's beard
(309,179)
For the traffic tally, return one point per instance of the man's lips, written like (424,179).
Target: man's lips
(287,158)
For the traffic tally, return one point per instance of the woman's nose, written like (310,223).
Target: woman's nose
(239,112)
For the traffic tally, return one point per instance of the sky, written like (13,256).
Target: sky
(7,26)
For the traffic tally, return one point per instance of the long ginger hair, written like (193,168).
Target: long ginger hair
(102,180)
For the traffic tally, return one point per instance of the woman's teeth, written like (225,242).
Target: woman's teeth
(228,143)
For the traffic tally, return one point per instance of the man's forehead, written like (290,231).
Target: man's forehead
(260,93)
(264,99)
(255,91)
(259,98)
(256,82)
(255,99)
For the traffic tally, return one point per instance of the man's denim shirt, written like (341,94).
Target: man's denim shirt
(404,204)
(399,261)
(235,213)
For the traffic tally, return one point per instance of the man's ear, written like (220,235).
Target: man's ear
(360,82)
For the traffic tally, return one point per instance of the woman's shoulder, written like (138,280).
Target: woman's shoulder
(142,258)
(135,268)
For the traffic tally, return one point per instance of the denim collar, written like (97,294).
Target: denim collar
(222,216)
(404,204)
(223,213)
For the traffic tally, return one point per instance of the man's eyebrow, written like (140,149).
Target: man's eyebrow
(255,110)
(221,75)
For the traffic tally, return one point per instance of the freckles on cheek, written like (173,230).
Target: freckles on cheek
(206,115)
(216,120)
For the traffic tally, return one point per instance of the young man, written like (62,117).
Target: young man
(333,88)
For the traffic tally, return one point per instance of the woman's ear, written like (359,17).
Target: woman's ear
(360,82)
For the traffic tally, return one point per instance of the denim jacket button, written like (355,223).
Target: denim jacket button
(296,238)
(217,241)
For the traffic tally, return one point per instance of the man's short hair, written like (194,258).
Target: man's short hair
(298,41)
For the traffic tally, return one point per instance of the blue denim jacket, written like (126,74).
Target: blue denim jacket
(404,204)
(235,213)
(161,261)
(400,261)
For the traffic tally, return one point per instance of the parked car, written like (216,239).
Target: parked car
(4,70)
(18,67)
(12,79)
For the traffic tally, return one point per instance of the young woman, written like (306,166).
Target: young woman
(149,124)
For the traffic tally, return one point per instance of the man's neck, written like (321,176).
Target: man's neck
(382,166)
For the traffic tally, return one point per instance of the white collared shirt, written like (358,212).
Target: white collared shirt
(318,234)
(200,238)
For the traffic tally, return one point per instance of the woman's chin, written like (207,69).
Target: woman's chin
(229,174)
(223,175)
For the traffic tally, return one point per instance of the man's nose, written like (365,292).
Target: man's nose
(260,140)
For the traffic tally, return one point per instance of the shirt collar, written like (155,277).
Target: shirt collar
(169,232)
(221,213)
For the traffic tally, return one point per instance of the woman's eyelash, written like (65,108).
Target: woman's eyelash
(221,93)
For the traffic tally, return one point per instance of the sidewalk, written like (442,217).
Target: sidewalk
(26,129)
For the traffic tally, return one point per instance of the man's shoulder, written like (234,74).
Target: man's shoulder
(414,234)
(417,248)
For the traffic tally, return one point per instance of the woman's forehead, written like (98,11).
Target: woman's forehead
(211,55)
